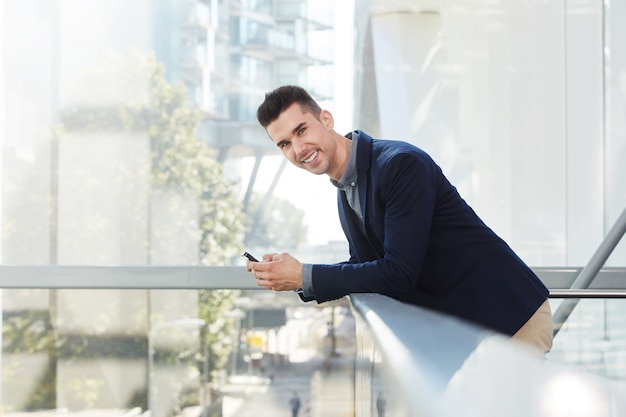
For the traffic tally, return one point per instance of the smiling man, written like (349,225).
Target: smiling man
(411,236)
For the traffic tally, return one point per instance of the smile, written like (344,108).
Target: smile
(311,158)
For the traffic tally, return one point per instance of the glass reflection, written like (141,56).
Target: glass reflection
(174,352)
(593,338)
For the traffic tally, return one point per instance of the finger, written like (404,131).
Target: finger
(250,265)
(258,267)
(268,257)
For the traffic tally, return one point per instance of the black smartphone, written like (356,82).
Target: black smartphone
(250,257)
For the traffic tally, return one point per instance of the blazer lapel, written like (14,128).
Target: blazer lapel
(357,230)
(363,167)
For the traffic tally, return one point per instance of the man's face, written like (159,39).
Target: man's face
(306,141)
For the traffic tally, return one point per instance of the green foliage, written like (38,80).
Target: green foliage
(27,332)
(180,161)
(30,332)
(216,335)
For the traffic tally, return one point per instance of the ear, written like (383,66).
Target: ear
(327,119)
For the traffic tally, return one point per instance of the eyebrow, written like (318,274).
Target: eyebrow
(294,131)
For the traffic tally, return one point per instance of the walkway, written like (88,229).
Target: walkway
(323,393)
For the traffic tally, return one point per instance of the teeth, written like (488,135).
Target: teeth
(311,158)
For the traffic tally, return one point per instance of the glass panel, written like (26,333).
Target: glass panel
(615,55)
(128,132)
(126,128)
(173,352)
(593,337)
(376,390)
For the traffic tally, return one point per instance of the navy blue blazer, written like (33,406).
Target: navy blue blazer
(423,244)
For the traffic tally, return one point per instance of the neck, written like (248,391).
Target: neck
(342,153)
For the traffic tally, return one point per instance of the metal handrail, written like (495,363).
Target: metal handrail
(589,272)
(126,277)
(587,293)
(436,365)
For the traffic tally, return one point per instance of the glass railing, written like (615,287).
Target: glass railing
(414,362)
(181,341)
(594,336)
(166,341)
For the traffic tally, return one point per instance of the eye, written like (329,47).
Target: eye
(283,144)
(301,131)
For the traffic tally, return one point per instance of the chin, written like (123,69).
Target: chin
(315,171)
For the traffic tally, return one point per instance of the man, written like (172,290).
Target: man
(381,404)
(411,236)
(294,404)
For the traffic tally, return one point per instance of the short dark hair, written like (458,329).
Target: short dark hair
(278,100)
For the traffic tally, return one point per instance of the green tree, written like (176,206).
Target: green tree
(181,162)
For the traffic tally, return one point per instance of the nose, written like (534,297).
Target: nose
(299,147)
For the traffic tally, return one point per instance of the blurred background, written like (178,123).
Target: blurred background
(128,138)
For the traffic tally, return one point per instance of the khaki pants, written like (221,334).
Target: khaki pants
(538,330)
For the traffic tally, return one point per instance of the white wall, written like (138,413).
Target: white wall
(509,99)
